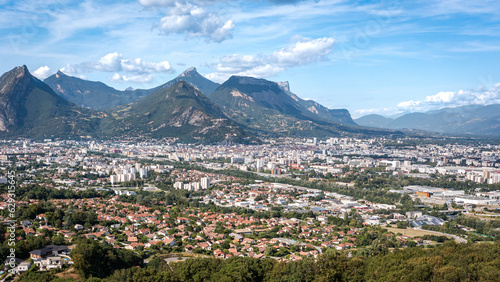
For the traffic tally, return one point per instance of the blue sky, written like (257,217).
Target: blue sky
(386,57)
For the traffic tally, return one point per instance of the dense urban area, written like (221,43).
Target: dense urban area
(288,209)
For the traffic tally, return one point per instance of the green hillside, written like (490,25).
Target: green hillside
(179,111)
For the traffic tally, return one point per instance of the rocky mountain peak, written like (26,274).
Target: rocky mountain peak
(284,85)
(19,77)
(189,72)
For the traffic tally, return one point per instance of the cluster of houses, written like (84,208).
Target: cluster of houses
(47,258)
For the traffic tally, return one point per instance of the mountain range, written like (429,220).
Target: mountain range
(99,96)
(180,110)
(265,106)
(236,111)
(470,120)
(29,108)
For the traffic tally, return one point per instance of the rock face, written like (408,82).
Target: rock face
(13,88)
(179,111)
(270,107)
(29,108)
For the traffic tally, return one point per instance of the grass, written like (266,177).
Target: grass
(69,273)
(411,232)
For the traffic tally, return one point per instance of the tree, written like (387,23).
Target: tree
(93,259)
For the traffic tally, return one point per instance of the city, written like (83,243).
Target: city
(287,199)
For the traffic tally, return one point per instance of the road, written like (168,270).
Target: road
(457,238)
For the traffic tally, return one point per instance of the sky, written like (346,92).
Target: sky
(384,57)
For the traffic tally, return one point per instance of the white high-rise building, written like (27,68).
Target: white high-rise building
(205,183)
(143,173)
(113,179)
(260,164)
(196,186)
(187,186)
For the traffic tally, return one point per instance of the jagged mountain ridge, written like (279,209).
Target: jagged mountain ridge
(92,94)
(263,106)
(30,108)
(99,96)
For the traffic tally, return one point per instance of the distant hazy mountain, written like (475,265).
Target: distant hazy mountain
(265,107)
(29,108)
(333,115)
(99,96)
(92,94)
(179,111)
(475,119)
(374,120)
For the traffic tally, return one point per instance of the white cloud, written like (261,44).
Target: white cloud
(42,72)
(441,97)
(217,76)
(157,3)
(65,21)
(141,78)
(302,52)
(140,66)
(481,96)
(114,62)
(109,63)
(409,104)
(170,3)
(195,21)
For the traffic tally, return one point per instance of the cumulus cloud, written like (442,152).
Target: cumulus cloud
(303,51)
(42,72)
(114,62)
(140,71)
(195,22)
(142,78)
(192,18)
(481,96)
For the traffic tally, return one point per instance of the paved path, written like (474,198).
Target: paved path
(168,260)
(457,238)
